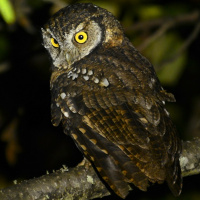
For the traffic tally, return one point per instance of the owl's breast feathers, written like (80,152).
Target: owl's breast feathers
(112,105)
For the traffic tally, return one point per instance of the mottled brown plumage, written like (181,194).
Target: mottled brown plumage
(110,100)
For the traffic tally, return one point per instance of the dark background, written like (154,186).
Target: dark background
(29,144)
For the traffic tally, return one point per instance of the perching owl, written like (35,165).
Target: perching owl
(110,101)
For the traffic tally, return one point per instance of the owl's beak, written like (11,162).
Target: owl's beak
(72,56)
(69,58)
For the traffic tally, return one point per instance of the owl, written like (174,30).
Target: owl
(109,100)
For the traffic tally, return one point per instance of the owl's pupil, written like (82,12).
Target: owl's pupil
(80,37)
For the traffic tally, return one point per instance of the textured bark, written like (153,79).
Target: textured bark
(190,157)
(82,181)
(78,183)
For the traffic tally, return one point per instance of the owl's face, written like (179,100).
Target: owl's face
(74,33)
(76,43)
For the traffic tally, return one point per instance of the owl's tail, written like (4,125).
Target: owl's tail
(174,178)
(114,166)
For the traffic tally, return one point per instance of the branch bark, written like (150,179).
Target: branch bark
(192,17)
(190,157)
(82,182)
(164,24)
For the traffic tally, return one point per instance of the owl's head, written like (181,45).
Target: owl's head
(77,30)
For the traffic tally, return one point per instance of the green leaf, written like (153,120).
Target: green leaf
(7,11)
(150,12)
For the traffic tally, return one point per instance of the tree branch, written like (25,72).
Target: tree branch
(164,25)
(181,19)
(190,157)
(169,23)
(183,47)
(82,181)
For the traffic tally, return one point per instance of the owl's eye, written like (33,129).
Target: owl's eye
(54,42)
(81,37)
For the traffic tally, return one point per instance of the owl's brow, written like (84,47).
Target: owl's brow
(58,23)
(50,32)
(77,29)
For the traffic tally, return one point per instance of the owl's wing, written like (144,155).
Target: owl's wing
(124,131)
(129,143)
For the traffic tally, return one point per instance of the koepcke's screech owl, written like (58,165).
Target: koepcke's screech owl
(110,101)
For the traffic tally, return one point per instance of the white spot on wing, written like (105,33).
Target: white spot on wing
(57,104)
(69,73)
(74,76)
(90,72)
(84,71)
(66,114)
(104,82)
(72,109)
(86,78)
(96,80)
(63,95)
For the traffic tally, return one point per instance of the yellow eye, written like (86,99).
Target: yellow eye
(54,42)
(81,37)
